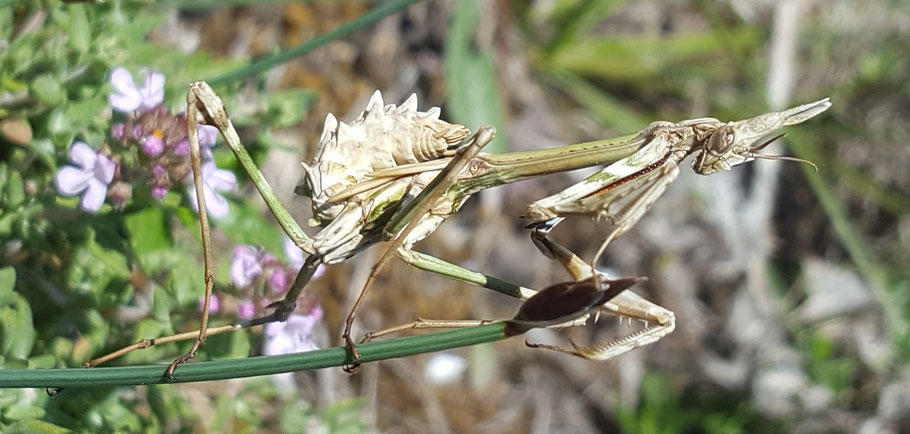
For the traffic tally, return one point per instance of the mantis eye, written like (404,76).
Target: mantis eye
(722,140)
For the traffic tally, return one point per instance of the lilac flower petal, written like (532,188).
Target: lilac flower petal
(118,131)
(222,180)
(122,81)
(213,180)
(207,135)
(104,169)
(292,253)
(214,304)
(182,148)
(244,266)
(292,336)
(215,204)
(83,155)
(246,310)
(279,280)
(126,96)
(159,192)
(123,103)
(279,342)
(71,181)
(93,196)
(153,91)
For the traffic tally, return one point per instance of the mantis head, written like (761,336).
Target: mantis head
(735,143)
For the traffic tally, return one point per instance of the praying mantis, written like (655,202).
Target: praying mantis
(426,176)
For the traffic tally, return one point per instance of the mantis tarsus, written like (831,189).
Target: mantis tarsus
(405,201)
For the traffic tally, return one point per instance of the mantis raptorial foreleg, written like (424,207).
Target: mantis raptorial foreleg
(660,321)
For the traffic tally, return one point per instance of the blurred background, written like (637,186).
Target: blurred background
(789,285)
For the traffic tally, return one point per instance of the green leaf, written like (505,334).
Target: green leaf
(48,90)
(15,190)
(246,225)
(17,333)
(7,280)
(23,412)
(80,35)
(642,60)
(149,239)
(42,361)
(474,92)
(32,426)
(85,113)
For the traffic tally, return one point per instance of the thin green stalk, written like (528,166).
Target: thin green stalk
(852,241)
(384,9)
(250,367)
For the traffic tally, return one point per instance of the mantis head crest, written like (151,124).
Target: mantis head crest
(735,143)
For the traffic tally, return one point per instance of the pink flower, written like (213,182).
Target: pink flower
(89,177)
(214,305)
(158,192)
(152,145)
(213,181)
(127,97)
(279,280)
(245,265)
(246,310)
(294,335)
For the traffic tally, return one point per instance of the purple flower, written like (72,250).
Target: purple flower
(153,145)
(118,131)
(294,335)
(213,181)
(207,135)
(182,148)
(159,192)
(246,310)
(89,177)
(245,265)
(127,97)
(214,305)
(278,280)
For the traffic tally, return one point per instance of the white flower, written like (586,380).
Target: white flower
(245,265)
(127,97)
(90,176)
(213,181)
(294,335)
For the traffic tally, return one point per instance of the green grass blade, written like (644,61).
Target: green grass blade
(474,98)
(860,254)
(383,10)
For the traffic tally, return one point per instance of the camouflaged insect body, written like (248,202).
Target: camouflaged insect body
(383,136)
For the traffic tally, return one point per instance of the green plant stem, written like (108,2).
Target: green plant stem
(384,9)
(853,242)
(250,367)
